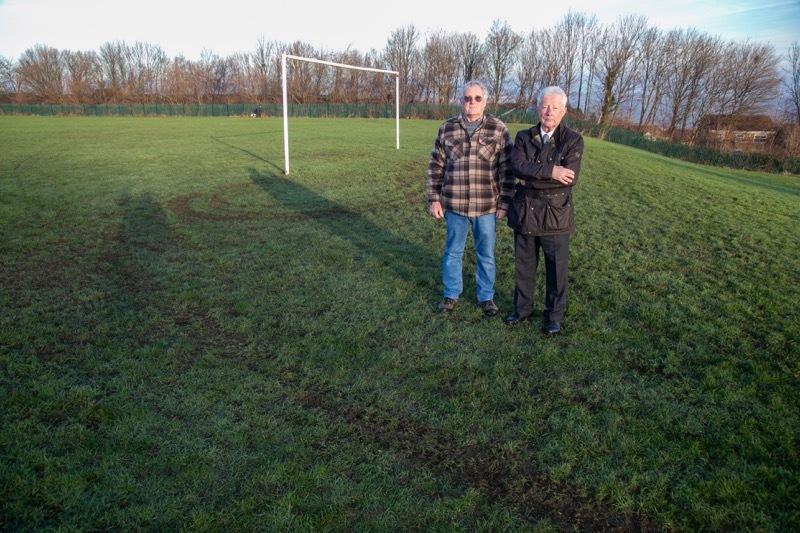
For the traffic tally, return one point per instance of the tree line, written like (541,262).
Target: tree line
(627,72)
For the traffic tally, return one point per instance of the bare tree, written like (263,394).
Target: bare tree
(691,84)
(378,89)
(792,82)
(752,75)
(617,62)
(244,78)
(264,63)
(114,68)
(41,72)
(735,79)
(470,54)
(178,85)
(277,64)
(654,56)
(566,39)
(208,78)
(791,94)
(83,76)
(440,67)
(342,82)
(550,52)
(322,82)
(501,46)
(589,36)
(305,81)
(146,66)
(529,71)
(400,54)
(347,83)
(8,79)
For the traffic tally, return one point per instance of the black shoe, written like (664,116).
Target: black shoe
(489,308)
(552,328)
(515,319)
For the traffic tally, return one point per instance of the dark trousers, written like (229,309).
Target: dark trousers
(555,249)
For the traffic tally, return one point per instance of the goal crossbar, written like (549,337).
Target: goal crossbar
(284,57)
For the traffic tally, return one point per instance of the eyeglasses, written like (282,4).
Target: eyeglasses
(478,98)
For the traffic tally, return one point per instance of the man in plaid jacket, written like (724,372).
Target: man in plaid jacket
(470,183)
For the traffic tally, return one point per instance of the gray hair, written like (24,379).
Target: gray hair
(553,89)
(475,83)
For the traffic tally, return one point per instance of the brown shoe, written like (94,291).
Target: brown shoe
(446,305)
(489,308)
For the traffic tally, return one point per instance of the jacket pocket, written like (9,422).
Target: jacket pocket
(558,214)
(488,147)
(526,214)
(531,215)
(517,213)
(454,148)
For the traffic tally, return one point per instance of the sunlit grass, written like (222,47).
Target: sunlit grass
(191,339)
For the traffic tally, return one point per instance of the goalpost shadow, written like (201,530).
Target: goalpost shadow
(409,261)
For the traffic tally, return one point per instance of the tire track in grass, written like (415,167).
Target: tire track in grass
(501,475)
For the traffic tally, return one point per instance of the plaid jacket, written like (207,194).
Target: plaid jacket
(471,177)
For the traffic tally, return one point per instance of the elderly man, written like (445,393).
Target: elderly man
(469,184)
(547,159)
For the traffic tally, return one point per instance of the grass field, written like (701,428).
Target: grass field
(191,340)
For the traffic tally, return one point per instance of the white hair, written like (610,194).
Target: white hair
(553,89)
(475,83)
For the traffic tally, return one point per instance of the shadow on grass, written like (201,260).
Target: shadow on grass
(135,257)
(409,261)
(140,271)
(247,152)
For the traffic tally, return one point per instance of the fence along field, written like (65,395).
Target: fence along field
(193,340)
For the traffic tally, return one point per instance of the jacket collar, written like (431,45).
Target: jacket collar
(537,133)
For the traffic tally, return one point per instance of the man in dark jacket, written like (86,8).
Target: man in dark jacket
(546,159)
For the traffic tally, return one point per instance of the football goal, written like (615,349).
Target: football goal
(285,57)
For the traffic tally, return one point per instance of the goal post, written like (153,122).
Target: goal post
(284,57)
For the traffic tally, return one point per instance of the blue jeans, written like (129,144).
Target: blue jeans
(484,234)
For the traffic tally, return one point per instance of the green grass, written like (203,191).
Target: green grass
(191,339)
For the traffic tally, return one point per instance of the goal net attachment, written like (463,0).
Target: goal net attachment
(341,65)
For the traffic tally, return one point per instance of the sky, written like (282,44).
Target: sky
(188,28)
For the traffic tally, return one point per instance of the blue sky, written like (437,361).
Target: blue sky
(188,28)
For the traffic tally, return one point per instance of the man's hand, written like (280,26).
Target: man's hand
(499,214)
(436,210)
(563,175)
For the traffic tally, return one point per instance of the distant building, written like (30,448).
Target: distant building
(736,133)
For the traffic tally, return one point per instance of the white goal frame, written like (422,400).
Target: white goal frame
(284,57)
